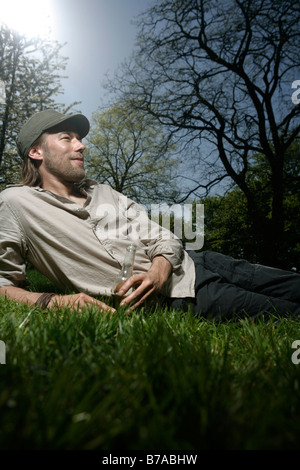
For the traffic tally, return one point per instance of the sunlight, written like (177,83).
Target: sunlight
(31,18)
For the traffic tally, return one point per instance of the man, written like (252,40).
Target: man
(76,231)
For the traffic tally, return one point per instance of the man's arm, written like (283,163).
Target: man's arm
(163,249)
(74,300)
(146,284)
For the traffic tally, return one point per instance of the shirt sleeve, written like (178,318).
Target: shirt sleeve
(12,249)
(157,240)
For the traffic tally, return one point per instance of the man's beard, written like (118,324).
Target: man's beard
(66,172)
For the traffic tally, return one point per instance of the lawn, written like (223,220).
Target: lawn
(151,380)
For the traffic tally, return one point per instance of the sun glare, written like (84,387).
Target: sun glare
(31,18)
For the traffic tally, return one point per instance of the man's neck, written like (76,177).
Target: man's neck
(66,190)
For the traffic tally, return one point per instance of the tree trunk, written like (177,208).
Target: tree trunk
(269,232)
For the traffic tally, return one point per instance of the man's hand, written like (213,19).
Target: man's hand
(78,301)
(75,300)
(146,284)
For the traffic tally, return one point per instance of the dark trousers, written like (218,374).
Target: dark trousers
(227,288)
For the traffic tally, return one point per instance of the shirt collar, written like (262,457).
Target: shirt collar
(84,184)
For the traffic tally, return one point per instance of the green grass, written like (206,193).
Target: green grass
(159,380)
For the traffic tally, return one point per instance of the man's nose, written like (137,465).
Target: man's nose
(79,146)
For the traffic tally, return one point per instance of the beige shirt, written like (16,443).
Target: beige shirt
(82,248)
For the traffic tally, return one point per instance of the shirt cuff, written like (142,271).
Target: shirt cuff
(172,251)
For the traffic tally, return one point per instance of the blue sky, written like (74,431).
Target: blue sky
(99,36)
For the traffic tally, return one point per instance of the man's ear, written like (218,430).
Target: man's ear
(36,153)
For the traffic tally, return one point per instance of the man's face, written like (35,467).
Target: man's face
(63,156)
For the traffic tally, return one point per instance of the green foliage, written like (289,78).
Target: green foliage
(229,228)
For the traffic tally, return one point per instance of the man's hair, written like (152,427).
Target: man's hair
(31,175)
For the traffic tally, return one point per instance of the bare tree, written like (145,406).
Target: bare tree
(219,75)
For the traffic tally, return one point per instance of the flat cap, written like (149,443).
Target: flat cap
(44,121)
